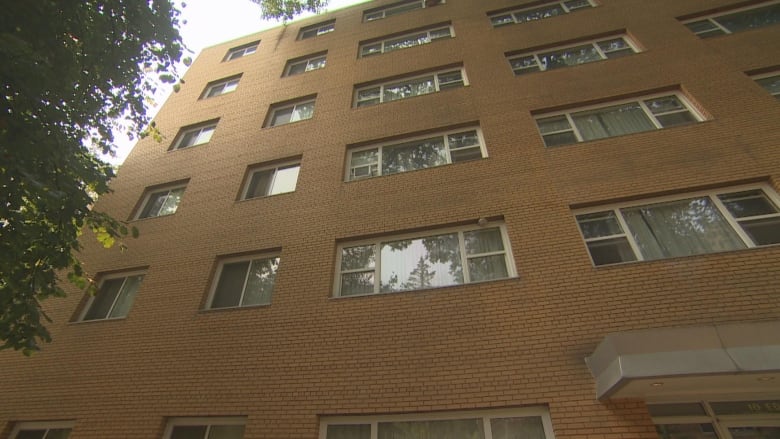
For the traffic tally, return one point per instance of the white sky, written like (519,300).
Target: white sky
(211,22)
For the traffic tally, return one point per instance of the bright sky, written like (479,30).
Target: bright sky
(212,22)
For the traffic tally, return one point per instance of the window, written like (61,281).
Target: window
(316,30)
(161,202)
(42,430)
(223,86)
(771,82)
(409,87)
(413,262)
(205,428)
(533,13)
(272,180)
(194,135)
(398,8)
(306,64)
(528,422)
(114,297)
(616,119)
(580,53)
(417,38)
(737,20)
(691,224)
(244,282)
(241,51)
(717,420)
(282,114)
(418,153)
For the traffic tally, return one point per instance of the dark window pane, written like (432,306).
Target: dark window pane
(680,409)
(104,298)
(598,225)
(445,429)
(749,203)
(752,19)
(529,427)
(31,434)
(560,139)
(357,283)
(58,433)
(226,432)
(260,283)
(358,431)
(465,154)
(189,432)
(487,268)
(686,431)
(763,231)
(670,120)
(260,183)
(611,251)
(231,284)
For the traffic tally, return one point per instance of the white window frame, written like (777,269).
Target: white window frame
(319,28)
(218,277)
(204,132)
(40,425)
(381,86)
(429,31)
(260,168)
(486,415)
(308,61)
(381,13)
(241,51)
(464,257)
(229,85)
(640,100)
(774,74)
(712,18)
(348,176)
(156,190)
(594,42)
(720,422)
(512,12)
(294,105)
(91,301)
(201,422)
(712,194)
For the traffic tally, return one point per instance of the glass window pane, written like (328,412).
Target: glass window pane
(354,258)
(231,283)
(686,431)
(539,14)
(701,26)
(226,432)
(302,112)
(560,139)
(577,4)
(260,283)
(501,20)
(601,224)
(450,77)
(460,140)
(126,296)
(444,429)
(680,228)
(281,116)
(754,432)
(440,33)
(58,433)
(357,283)
(614,45)
(553,124)
(153,205)
(748,203)
(612,121)
(751,19)
(358,431)
(171,202)
(771,84)
(569,56)
(483,241)
(611,251)
(364,163)
(529,427)
(296,68)
(371,93)
(260,183)
(466,154)
(763,231)
(411,156)
(189,432)
(484,268)
(407,41)
(525,64)
(31,434)
(408,89)
(421,263)
(403,8)
(664,104)
(674,119)
(315,64)
(286,180)
(104,299)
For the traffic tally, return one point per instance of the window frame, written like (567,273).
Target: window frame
(721,423)
(276,166)
(711,18)
(767,75)
(40,425)
(382,41)
(383,9)
(329,25)
(242,49)
(509,260)
(275,108)
(520,9)
(124,275)
(231,81)
(205,421)
(594,42)
(150,191)
(307,60)
(218,276)
(186,130)
(712,194)
(684,100)
(486,415)
(400,80)
(403,140)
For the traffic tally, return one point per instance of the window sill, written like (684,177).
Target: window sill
(232,308)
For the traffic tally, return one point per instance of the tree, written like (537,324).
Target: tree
(288,9)
(71,73)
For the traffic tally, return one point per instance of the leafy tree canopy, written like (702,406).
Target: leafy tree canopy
(71,73)
(288,9)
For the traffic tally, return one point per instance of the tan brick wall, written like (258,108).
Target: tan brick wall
(514,342)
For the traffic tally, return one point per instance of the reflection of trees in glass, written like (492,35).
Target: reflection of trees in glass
(409,89)
(440,249)
(420,277)
(417,155)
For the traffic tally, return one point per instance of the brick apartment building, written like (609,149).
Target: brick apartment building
(441,219)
